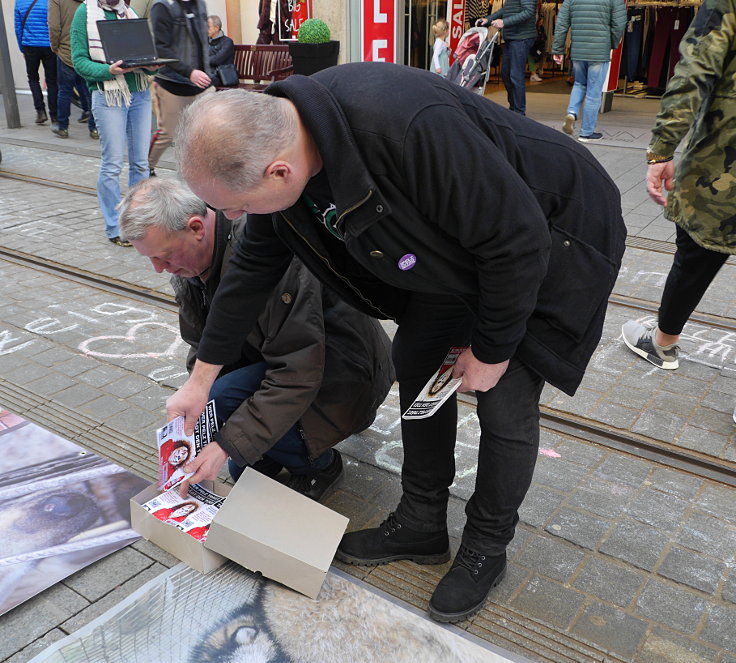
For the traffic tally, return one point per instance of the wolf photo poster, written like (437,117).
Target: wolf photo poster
(61,508)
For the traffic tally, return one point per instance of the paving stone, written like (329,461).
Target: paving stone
(128,385)
(36,647)
(102,375)
(624,469)
(539,505)
(705,441)
(516,577)
(552,558)
(675,483)
(609,582)
(110,600)
(580,453)
(665,646)
(104,407)
(657,509)
(660,425)
(108,573)
(25,373)
(155,553)
(708,534)
(549,601)
(77,395)
(604,498)
(49,384)
(718,500)
(674,606)
(134,420)
(729,589)
(76,365)
(579,528)
(610,628)
(37,616)
(638,544)
(692,569)
(556,473)
(720,627)
(615,415)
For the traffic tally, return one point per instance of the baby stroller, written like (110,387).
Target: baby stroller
(473,58)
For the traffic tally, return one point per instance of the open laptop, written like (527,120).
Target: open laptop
(131,41)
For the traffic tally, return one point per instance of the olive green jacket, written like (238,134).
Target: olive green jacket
(702,95)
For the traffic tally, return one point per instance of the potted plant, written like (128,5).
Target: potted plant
(314,50)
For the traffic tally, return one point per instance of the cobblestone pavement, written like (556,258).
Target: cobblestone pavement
(617,558)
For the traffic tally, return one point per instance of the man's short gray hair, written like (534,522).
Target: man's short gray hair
(231,136)
(167,204)
(216,21)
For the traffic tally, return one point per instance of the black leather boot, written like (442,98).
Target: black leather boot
(392,541)
(465,587)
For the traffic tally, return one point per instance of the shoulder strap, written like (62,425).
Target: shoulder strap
(25,18)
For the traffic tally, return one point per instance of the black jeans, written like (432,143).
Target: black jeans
(693,269)
(34,57)
(509,430)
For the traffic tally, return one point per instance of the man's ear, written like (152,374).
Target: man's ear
(279,170)
(195,224)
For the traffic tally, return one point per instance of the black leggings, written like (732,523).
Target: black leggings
(691,273)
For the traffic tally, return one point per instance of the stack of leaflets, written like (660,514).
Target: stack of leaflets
(438,388)
(192,515)
(175,449)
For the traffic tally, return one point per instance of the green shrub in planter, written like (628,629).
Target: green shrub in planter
(314,31)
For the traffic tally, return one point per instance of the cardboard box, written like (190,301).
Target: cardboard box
(171,539)
(263,526)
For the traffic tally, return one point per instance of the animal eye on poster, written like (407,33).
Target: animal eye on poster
(291,14)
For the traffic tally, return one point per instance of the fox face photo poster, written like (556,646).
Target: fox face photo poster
(61,508)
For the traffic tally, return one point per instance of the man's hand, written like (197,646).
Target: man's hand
(476,375)
(498,23)
(205,465)
(481,22)
(199,78)
(191,398)
(656,174)
(558,59)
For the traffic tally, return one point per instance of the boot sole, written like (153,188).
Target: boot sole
(439,558)
(454,617)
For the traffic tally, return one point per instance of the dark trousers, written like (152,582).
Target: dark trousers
(35,56)
(513,65)
(693,269)
(509,430)
(68,79)
(672,23)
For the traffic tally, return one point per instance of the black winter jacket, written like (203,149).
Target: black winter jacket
(328,366)
(513,217)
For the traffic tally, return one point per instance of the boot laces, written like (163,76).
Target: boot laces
(470,559)
(390,525)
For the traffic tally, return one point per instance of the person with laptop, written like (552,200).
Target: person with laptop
(121,104)
(180,32)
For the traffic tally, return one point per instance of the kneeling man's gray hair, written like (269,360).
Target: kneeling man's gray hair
(231,136)
(168,204)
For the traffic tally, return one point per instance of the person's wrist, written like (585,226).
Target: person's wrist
(653,157)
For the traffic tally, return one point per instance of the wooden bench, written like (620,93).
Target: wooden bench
(259,65)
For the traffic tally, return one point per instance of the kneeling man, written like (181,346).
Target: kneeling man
(311,373)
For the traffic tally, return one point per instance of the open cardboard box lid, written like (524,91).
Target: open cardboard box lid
(267,527)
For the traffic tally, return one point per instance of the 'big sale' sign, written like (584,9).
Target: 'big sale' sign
(378,34)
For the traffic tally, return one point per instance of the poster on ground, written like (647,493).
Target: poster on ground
(61,508)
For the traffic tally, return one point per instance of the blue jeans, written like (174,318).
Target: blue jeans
(117,124)
(68,79)
(589,79)
(232,389)
(515,53)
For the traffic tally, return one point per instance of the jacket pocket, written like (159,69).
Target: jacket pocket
(578,278)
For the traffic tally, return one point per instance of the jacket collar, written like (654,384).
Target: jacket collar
(354,189)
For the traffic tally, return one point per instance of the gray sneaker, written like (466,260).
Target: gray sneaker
(569,126)
(640,339)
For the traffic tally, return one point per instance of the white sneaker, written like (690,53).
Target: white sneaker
(569,125)
(535,77)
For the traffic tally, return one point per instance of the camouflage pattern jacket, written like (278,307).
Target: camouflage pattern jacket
(702,95)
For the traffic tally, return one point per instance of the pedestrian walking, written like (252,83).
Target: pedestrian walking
(702,188)
(597,27)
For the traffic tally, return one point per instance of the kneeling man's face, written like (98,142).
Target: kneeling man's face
(180,253)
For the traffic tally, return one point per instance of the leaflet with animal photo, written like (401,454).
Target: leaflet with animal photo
(438,389)
(175,449)
(192,514)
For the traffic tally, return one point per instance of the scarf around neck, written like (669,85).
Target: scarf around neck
(116,90)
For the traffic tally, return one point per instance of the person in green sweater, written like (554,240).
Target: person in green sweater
(121,104)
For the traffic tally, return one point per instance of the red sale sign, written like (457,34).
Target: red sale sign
(378,30)
(457,23)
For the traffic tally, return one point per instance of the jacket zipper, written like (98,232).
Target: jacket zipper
(327,262)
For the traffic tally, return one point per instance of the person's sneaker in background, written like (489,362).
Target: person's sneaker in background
(590,137)
(640,339)
(569,126)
